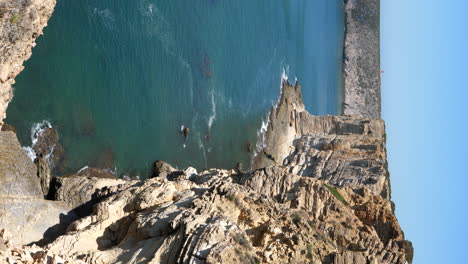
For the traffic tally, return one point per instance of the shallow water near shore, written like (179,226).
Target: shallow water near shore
(118,79)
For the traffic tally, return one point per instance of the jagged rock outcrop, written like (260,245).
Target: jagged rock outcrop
(21,22)
(219,216)
(23,211)
(78,191)
(342,150)
(361,66)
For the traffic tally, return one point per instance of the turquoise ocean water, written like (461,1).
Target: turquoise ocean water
(118,78)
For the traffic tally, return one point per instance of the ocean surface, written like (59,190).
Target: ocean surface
(119,78)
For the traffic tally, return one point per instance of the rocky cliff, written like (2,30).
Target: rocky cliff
(362,58)
(21,22)
(319,190)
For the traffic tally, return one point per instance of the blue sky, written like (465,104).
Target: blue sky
(424,103)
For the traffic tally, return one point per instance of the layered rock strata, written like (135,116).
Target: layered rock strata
(342,150)
(21,22)
(361,65)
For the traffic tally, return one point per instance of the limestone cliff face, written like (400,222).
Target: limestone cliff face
(21,22)
(342,150)
(362,58)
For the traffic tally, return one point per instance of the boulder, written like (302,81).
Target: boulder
(161,169)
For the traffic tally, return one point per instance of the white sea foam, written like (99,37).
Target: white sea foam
(213,110)
(82,169)
(36,130)
(30,152)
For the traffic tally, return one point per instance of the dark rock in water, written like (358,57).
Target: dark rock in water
(43,172)
(46,141)
(162,169)
(97,173)
(186,132)
(84,122)
(8,127)
(105,159)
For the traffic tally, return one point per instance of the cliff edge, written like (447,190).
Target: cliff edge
(21,22)
(361,65)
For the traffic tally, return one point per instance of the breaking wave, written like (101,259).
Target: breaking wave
(213,110)
(36,131)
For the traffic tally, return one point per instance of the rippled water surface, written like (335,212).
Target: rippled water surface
(118,78)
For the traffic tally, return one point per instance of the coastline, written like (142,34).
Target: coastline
(320,191)
(361,59)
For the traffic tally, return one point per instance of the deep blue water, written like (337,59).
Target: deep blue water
(118,78)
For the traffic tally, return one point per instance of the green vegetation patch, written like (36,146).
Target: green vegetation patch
(14,19)
(335,193)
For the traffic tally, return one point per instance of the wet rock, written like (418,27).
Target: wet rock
(185,132)
(46,142)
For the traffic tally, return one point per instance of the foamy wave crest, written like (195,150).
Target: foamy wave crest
(30,152)
(213,111)
(82,169)
(36,131)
